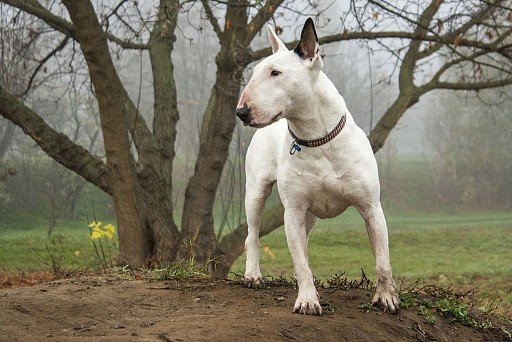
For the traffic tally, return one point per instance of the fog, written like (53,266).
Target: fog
(363,72)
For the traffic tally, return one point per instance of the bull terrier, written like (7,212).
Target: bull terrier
(322,162)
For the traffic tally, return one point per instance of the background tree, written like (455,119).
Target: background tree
(436,45)
(448,44)
(470,170)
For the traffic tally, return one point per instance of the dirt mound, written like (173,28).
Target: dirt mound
(112,309)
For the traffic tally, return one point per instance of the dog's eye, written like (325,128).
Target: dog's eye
(275,73)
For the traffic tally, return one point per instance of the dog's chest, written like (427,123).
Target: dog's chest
(326,196)
(319,184)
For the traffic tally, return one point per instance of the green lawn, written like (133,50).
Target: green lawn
(470,250)
(25,245)
(422,245)
(467,249)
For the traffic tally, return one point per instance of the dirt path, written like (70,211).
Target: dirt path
(110,309)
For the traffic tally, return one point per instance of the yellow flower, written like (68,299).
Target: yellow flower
(108,234)
(95,224)
(96,234)
(267,250)
(109,231)
(77,253)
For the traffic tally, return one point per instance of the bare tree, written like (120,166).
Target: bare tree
(7,138)
(141,183)
(16,49)
(458,45)
(472,169)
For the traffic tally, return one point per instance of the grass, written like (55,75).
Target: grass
(470,250)
(26,247)
(421,245)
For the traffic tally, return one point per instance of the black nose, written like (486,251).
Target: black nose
(244,113)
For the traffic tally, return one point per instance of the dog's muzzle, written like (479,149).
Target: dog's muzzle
(244,113)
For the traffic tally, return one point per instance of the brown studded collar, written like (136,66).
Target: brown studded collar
(316,142)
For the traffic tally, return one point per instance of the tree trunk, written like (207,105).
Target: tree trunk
(130,210)
(7,139)
(75,198)
(143,200)
(216,131)
(57,145)
(231,246)
(165,237)
(387,123)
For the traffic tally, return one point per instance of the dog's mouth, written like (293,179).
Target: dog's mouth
(261,125)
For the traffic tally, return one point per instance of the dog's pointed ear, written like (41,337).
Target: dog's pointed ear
(277,44)
(308,47)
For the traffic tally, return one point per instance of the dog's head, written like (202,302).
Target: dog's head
(282,83)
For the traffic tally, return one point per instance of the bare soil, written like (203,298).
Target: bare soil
(108,308)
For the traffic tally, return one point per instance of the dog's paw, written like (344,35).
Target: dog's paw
(387,300)
(255,282)
(307,307)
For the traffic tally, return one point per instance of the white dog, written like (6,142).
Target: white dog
(321,160)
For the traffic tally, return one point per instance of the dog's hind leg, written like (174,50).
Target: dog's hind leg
(257,192)
(311,220)
(386,295)
(296,225)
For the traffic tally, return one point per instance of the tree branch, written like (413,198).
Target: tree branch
(106,82)
(231,246)
(432,84)
(381,131)
(126,44)
(263,15)
(52,53)
(451,36)
(473,85)
(406,74)
(212,19)
(36,9)
(143,137)
(368,35)
(56,145)
(166,114)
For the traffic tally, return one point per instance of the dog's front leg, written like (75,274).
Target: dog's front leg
(386,295)
(256,195)
(296,235)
